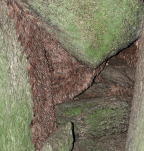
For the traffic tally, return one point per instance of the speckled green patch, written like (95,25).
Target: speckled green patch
(102,117)
(91,30)
(94,117)
(73,112)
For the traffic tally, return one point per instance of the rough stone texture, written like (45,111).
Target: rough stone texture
(90,30)
(112,84)
(135,138)
(95,117)
(117,71)
(102,90)
(106,143)
(61,140)
(15,92)
(54,75)
(52,82)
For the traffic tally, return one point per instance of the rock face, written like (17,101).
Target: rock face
(106,143)
(54,75)
(100,115)
(95,117)
(15,92)
(135,135)
(92,30)
(61,140)
(119,73)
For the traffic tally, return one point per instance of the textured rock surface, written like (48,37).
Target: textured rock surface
(90,30)
(95,117)
(106,143)
(15,92)
(104,91)
(117,71)
(61,140)
(47,71)
(54,75)
(135,141)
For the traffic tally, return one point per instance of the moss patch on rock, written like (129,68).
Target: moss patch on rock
(94,117)
(73,112)
(15,93)
(91,30)
(102,119)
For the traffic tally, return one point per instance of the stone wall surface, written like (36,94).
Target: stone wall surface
(15,92)
(90,30)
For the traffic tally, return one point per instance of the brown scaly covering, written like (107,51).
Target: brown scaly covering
(130,55)
(54,75)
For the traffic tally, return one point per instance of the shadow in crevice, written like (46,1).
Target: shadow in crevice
(73,135)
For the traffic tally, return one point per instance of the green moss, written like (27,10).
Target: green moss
(92,30)
(73,112)
(15,94)
(89,105)
(102,119)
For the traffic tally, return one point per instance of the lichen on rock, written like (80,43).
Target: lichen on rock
(91,30)
(15,93)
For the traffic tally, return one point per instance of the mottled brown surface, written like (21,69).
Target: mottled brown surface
(130,54)
(54,75)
